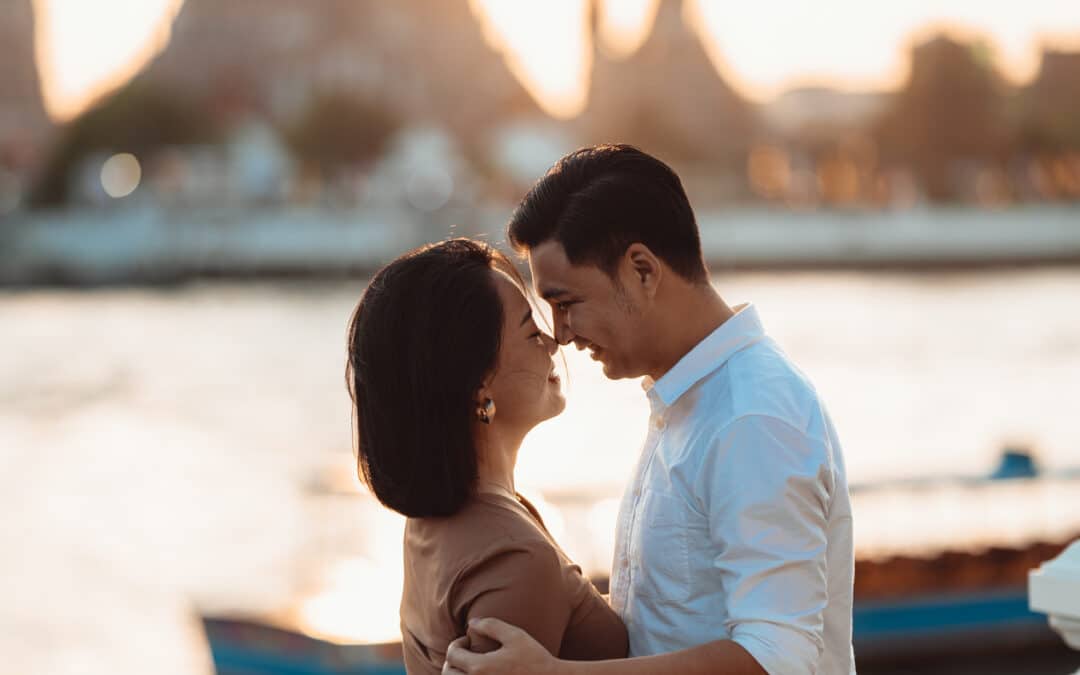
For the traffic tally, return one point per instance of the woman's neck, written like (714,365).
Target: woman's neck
(496,456)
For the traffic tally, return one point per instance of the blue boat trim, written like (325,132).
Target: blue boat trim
(939,615)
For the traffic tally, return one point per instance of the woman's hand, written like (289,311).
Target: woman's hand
(518,654)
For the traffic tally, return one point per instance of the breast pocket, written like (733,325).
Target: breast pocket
(659,551)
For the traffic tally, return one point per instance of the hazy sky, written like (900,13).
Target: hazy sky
(762,46)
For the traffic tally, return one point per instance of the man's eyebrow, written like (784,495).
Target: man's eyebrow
(552,293)
(528,315)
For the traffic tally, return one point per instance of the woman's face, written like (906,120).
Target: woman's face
(524,386)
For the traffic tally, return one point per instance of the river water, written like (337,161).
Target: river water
(174,451)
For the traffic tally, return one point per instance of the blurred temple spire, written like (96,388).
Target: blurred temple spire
(425,61)
(668,97)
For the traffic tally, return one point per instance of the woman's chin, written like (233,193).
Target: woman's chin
(557,405)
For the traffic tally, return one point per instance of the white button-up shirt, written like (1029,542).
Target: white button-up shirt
(737,522)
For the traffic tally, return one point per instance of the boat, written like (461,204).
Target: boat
(250,646)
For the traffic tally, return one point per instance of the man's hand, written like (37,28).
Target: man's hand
(518,654)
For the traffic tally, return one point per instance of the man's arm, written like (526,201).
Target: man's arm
(766,486)
(522,655)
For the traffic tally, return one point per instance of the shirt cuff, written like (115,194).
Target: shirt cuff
(779,650)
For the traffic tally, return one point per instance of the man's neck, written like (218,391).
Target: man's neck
(690,316)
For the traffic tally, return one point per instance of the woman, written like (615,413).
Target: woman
(448,372)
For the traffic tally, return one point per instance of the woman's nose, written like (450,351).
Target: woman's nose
(551,344)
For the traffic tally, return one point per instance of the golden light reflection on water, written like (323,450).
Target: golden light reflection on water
(926,520)
(359,603)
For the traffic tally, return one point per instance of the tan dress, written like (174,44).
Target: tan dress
(495,558)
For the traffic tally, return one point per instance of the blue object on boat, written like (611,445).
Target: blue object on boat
(947,623)
(1015,464)
(939,615)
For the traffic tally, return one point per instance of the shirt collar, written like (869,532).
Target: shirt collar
(742,329)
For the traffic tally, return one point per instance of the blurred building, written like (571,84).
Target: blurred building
(1053,100)
(24,125)
(668,98)
(1050,128)
(272,101)
(949,123)
(813,110)
(818,151)
(425,61)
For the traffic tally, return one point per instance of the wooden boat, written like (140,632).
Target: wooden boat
(244,646)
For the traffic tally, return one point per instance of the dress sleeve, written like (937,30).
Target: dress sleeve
(520,583)
(766,487)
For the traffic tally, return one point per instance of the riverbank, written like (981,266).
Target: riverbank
(155,246)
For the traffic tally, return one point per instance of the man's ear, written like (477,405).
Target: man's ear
(643,267)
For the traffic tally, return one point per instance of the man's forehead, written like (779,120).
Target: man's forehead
(547,255)
(551,270)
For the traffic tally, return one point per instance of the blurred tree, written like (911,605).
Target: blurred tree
(338,130)
(951,111)
(138,119)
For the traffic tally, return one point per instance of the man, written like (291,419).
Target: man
(734,547)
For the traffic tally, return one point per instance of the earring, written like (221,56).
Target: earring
(485,412)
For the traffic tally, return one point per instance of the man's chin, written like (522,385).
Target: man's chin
(612,372)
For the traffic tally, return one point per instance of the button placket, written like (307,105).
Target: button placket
(652,442)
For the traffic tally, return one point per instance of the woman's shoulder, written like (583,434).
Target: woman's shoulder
(486,525)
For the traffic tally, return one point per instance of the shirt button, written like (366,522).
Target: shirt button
(658,423)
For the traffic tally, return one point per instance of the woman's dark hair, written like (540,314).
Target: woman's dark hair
(421,340)
(597,201)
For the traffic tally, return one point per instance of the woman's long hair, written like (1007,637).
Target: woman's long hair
(423,337)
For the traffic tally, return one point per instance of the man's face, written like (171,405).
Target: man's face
(589,309)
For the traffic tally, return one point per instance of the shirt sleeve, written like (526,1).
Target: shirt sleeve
(521,584)
(765,487)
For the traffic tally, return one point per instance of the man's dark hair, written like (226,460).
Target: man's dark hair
(420,342)
(597,201)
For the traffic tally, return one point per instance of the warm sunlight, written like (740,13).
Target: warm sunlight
(763,47)
(546,47)
(623,25)
(84,49)
(767,46)
(359,603)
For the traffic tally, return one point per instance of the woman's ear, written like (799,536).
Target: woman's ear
(644,268)
(484,392)
(481,398)
(485,402)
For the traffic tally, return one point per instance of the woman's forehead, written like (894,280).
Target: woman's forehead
(513,298)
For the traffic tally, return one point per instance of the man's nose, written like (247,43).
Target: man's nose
(563,334)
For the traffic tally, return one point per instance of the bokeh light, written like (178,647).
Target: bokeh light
(120,175)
